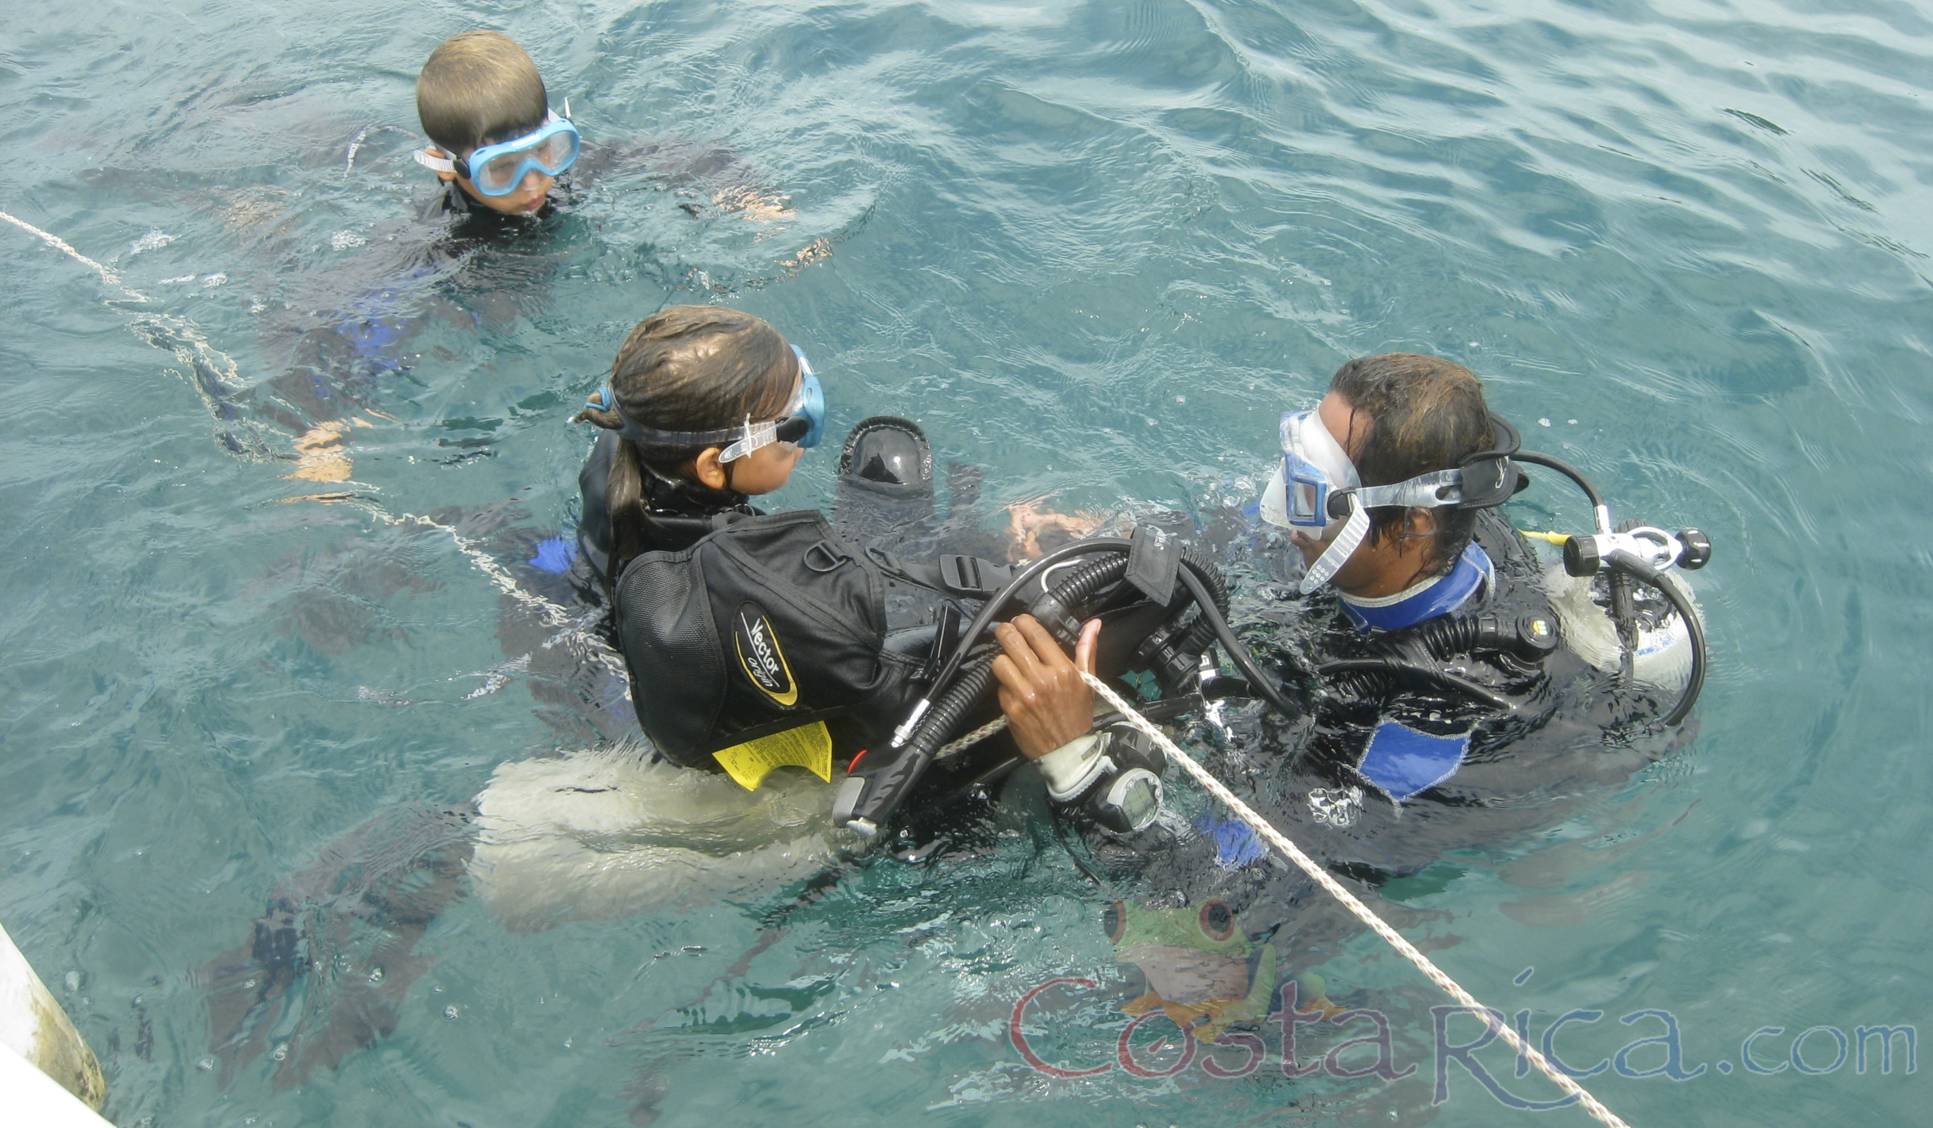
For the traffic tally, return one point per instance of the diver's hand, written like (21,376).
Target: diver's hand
(1029,521)
(1041,692)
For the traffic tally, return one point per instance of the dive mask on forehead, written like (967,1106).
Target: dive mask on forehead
(496,170)
(1316,485)
(803,422)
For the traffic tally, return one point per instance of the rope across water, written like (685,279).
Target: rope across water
(190,347)
(1351,902)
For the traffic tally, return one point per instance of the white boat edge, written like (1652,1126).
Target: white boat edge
(46,1066)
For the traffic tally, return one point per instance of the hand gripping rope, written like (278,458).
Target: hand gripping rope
(1349,900)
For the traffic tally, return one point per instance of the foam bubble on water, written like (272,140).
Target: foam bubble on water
(1544,422)
(214,280)
(177,280)
(343,240)
(153,240)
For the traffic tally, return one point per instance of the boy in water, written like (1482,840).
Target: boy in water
(498,151)
(497,145)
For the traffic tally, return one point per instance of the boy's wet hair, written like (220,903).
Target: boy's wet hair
(1424,413)
(479,88)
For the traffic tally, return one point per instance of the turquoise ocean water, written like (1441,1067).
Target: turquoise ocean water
(1095,248)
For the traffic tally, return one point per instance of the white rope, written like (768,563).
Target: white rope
(189,346)
(1349,900)
(161,330)
(349,162)
(952,747)
(552,614)
(64,247)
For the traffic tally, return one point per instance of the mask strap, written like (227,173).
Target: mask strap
(1339,551)
(438,164)
(756,435)
(1425,491)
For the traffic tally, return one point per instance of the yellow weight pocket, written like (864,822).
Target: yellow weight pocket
(808,747)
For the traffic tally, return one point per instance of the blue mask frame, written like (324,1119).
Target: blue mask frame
(551,149)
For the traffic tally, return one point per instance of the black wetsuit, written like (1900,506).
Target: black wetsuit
(685,512)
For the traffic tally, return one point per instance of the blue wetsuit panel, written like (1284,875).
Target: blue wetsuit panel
(1236,843)
(1404,762)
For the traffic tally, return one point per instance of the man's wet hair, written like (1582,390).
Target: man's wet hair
(479,88)
(1411,415)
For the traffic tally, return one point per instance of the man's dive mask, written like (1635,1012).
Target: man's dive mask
(1315,486)
(496,170)
(803,422)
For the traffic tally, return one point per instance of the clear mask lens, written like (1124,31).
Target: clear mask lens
(551,149)
(1313,466)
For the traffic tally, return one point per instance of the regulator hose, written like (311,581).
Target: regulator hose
(866,800)
(956,699)
(1695,683)
(1374,677)
(992,607)
(1566,469)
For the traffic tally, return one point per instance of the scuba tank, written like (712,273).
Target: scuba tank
(1661,653)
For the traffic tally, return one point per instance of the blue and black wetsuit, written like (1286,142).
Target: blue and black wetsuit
(1393,768)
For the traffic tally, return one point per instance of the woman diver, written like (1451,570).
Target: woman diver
(754,641)
(746,634)
(681,455)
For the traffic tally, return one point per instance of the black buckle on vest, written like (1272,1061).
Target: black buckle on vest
(825,550)
(970,575)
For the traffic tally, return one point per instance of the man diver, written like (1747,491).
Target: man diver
(1444,649)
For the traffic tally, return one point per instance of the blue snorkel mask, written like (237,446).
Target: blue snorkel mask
(1316,486)
(497,170)
(803,423)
